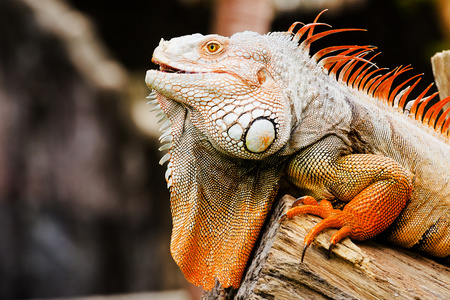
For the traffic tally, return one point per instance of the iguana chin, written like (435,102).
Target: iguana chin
(247,112)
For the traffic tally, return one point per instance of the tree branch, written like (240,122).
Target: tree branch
(365,270)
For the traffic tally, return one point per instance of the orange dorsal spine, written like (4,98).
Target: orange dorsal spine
(343,59)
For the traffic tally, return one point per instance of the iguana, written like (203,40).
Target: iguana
(246,114)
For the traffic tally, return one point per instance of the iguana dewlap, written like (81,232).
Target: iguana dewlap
(245,113)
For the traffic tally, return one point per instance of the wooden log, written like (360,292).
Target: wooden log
(356,270)
(441,70)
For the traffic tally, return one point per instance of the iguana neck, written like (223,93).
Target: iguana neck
(318,101)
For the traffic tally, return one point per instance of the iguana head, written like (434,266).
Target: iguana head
(231,86)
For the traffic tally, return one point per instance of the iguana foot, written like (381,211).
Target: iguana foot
(332,218)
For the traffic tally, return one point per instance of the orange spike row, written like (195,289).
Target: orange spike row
(445,115)
(351,58)
(348,64)
(380,86)
(431,115)
(379,81)
(402,101)
(444,129)
(307,42)
(358,75)
(348,68)
(339,60)
(343,58)
(418,100)
(372,81)
(291,29)
(422,107)
(305,28)
(363,86)
(329,61)
(382,91)
(319,54)
(336,62)
(310,33)
(396,90)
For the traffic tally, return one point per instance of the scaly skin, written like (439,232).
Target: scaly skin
(247,112)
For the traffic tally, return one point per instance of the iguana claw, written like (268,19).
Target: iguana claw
(330,250)
(332,218)
(305,246)
(308,200)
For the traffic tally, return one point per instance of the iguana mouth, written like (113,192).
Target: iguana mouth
(166,68)
(163,67)
(169,69)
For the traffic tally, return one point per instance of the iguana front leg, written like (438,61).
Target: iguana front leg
(376,187)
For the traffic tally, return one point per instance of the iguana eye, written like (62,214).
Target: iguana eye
(213,47)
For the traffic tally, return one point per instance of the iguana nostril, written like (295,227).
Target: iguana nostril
(260,135)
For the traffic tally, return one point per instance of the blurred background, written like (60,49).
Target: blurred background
(84,208)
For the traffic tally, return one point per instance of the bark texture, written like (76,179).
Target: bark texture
(441,66)
(363,270)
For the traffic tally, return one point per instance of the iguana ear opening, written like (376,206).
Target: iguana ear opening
(260,135)
(262,76)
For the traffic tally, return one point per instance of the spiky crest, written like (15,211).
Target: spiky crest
(340,61)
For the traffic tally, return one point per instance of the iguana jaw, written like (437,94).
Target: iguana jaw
(165,65)
(168,69)
(179,80)
(231,111)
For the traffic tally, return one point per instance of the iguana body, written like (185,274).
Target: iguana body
(247,112)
